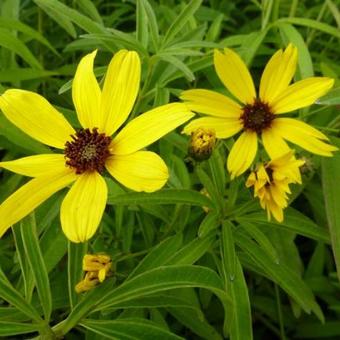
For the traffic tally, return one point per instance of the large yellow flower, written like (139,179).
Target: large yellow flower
(87,152)
(259,116)
(271,183)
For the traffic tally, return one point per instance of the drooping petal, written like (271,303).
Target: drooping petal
(223,128)
(301,94)
(273,143)
(34,166)
(303,135)
(120,89)
(86,94)
(278,73)
(211,103)
(34,115)
(83,207)
(235,76)
(242,153)
(31,195)
(139,171)
(149,127)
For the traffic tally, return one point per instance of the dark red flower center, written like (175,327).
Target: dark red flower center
(257,116)
(88,151)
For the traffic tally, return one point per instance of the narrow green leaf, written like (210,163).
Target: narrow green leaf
(8,328)
(76,252)
(210,222)
(288,280)
(142,32)
(228,254)
(90,9)
(152,22)
(176,27)
(331,98)
(331,176)
(192,252)
(129,329)
(312,24)
(166,196)
(37,264)
(15,45)
(13,297)
(240,318)
(180,65)
(159,255)
(293,221)
(293,36)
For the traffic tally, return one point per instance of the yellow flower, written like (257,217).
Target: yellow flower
(97,263)
(87,152)
(271,183)
(259,116)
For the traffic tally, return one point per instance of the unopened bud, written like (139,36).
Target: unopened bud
(202,143)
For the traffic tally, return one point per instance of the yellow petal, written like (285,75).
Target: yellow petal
(86,94)
(301,94)
(273,143)
(211,103)
(34,115)
(303,135)
(242,154)
(31,195)
(235,76)
(278,73)
(34,166)
(149,127)
(120,89)
(276,211)
(223,128)
(139,171)
(83,207)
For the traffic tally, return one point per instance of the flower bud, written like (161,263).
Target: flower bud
(202,143)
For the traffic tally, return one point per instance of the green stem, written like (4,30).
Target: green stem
(279,312)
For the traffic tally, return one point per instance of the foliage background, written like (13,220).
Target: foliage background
(178,270)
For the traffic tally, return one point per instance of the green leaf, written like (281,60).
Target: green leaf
(293,221)
(8,328)
(293,36)
(15,45)
(37,264)
(159,255)
(76,252)
(178,64)
(152,22)
(192,251)
(90,8)
(163,278)
(331,98)
(128,329)
(142,20)
(240,327)
(288,280)
(320,26)
(210,222)
(166,196)
(13,297)
(331,176)
(228,254)
(176,27)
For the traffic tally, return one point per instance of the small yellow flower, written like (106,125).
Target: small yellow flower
(271,183)
(97,263)
(259,116)
(90,281)
(202,142)
(87,152)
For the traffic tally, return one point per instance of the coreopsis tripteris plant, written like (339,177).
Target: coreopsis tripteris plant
(271,183)
(90,150)
(259,116)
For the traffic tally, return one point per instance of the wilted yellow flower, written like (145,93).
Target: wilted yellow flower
(202,142)
(87,152)
(271,183)
(259,116)
(90,281)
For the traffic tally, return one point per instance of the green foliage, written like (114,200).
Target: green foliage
(197,259)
